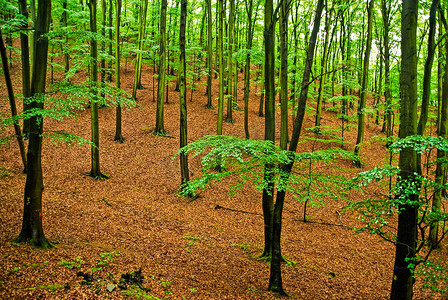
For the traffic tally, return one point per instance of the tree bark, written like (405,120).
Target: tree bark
(32,212)
(275,279)
(403,279)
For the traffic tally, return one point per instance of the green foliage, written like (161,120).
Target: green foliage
(50,287)
(376,212)
(106,258)
(245,160)
(138,293)
(435,275)
(76,264)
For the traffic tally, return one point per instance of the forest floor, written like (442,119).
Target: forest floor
(204,249)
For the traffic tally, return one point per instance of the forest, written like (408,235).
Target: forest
(227,149)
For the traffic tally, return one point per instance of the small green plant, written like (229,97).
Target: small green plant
(138,293)
(165,285)
(76,264)
(245,247)
(192,239)
(192,290)
(50,287)
(106,258)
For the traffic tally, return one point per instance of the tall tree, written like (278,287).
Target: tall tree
(221,64)
(12,101)
(162,70)
(185,174)
(364,85)
(405,246)
(209,54)
(95,131)
(118,134)
(269,122)
(140,43)
(32,211)
(283,27)
(275,279)
(230,97)
(250,35)
(25,57)
(325,51)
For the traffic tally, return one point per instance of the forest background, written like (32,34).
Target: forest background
(339,77)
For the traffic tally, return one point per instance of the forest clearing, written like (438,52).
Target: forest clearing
(341,154)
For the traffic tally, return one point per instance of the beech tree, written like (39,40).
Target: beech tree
(32,210)
(162,70)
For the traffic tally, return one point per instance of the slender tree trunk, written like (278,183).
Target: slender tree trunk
(12,101)
(162,70)
(209,54)
(403,279)
(250,34)
(284,8)
(275,279)
(385,11)
(365,78)
(118,134)
(111,8)
(139,59)
(230,97)
(221,64)
(185,174)
(25,57)
(65,47)
(269,123)
(442,132)
(95,134)
(320,96)
(32,212)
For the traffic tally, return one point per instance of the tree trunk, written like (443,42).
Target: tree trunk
(365,78)
(162,70)
(230,97)
(275,279)
(269,122)
(25,57)
(185,174)
(323,69)
(209,54)
(221,64)
(403,279)
(32,212)
(95,134)
(284,8)
(12,101)
(118,135)
(139,59)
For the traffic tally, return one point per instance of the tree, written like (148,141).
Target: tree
(221,64)
(275,279)
(403,279)
(95,132)
(283,27)
(328,21)
(25,57)
(32,211)
(269,123)
(250,35)
(185,174)
(12,101)
(209,54)
(118,135)
(140,42)
(162,70)
(365,78)
(230,97)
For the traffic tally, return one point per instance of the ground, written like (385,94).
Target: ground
(204,249)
